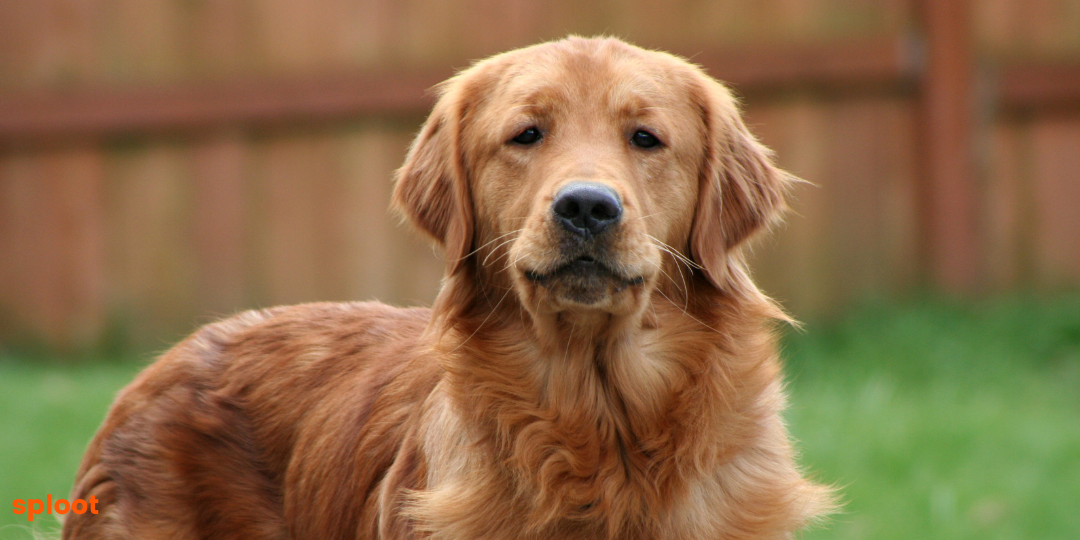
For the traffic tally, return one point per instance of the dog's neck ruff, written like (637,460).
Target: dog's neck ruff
(603,420)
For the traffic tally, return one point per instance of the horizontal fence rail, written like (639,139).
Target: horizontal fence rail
(156,110)
(57,117)
(1039,87)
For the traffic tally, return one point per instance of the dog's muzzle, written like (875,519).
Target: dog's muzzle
(584,268)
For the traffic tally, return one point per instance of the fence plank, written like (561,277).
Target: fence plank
(1005,208)
(150,253)
(54,245)
(1056,151)
(949,194)
(219,175)
(218,41)
(369,157)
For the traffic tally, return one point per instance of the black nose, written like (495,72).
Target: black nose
(585,208)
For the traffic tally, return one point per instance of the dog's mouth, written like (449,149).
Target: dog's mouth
(584,279)
(585,266)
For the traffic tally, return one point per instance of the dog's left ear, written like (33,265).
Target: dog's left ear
(741,191)
(432,189)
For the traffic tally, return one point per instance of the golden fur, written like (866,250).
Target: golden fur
(637,400)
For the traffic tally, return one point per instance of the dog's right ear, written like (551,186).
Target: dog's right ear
(431,189)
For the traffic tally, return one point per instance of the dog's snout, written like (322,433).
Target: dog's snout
(586,208)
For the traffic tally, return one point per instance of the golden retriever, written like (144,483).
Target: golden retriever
(597,364)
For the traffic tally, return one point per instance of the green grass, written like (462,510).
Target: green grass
(942,422)
(48,412)
(936,421)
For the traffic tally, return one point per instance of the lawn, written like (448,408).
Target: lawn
(934,420)
(941,422)
(48,412)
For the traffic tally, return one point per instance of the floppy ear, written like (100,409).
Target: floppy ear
(741,190)
(432,189)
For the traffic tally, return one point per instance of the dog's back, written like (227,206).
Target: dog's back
(206,438)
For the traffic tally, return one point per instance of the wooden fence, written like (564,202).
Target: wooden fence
(164,162)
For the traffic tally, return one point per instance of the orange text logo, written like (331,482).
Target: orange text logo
(34,507)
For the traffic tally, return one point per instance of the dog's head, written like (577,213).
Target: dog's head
(584,172)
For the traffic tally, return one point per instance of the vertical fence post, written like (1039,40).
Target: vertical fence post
(948,193)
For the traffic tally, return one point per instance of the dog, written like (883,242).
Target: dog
(597,364)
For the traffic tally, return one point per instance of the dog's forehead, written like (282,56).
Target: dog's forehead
(627,80)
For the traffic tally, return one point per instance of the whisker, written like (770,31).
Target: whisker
(482,323)
(668,276)
(475,251)
(643,217)
(686,288)
(514,264)
(566,352)
(674,252)
(496,249)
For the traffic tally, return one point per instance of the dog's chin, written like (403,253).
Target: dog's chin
(585,282)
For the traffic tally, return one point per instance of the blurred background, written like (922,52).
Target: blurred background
(167,162)
(164,161)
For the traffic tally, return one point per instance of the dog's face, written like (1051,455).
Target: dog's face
(584,172)
(579,172)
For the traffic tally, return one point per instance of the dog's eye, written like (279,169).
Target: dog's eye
(644,139)
(529,135)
